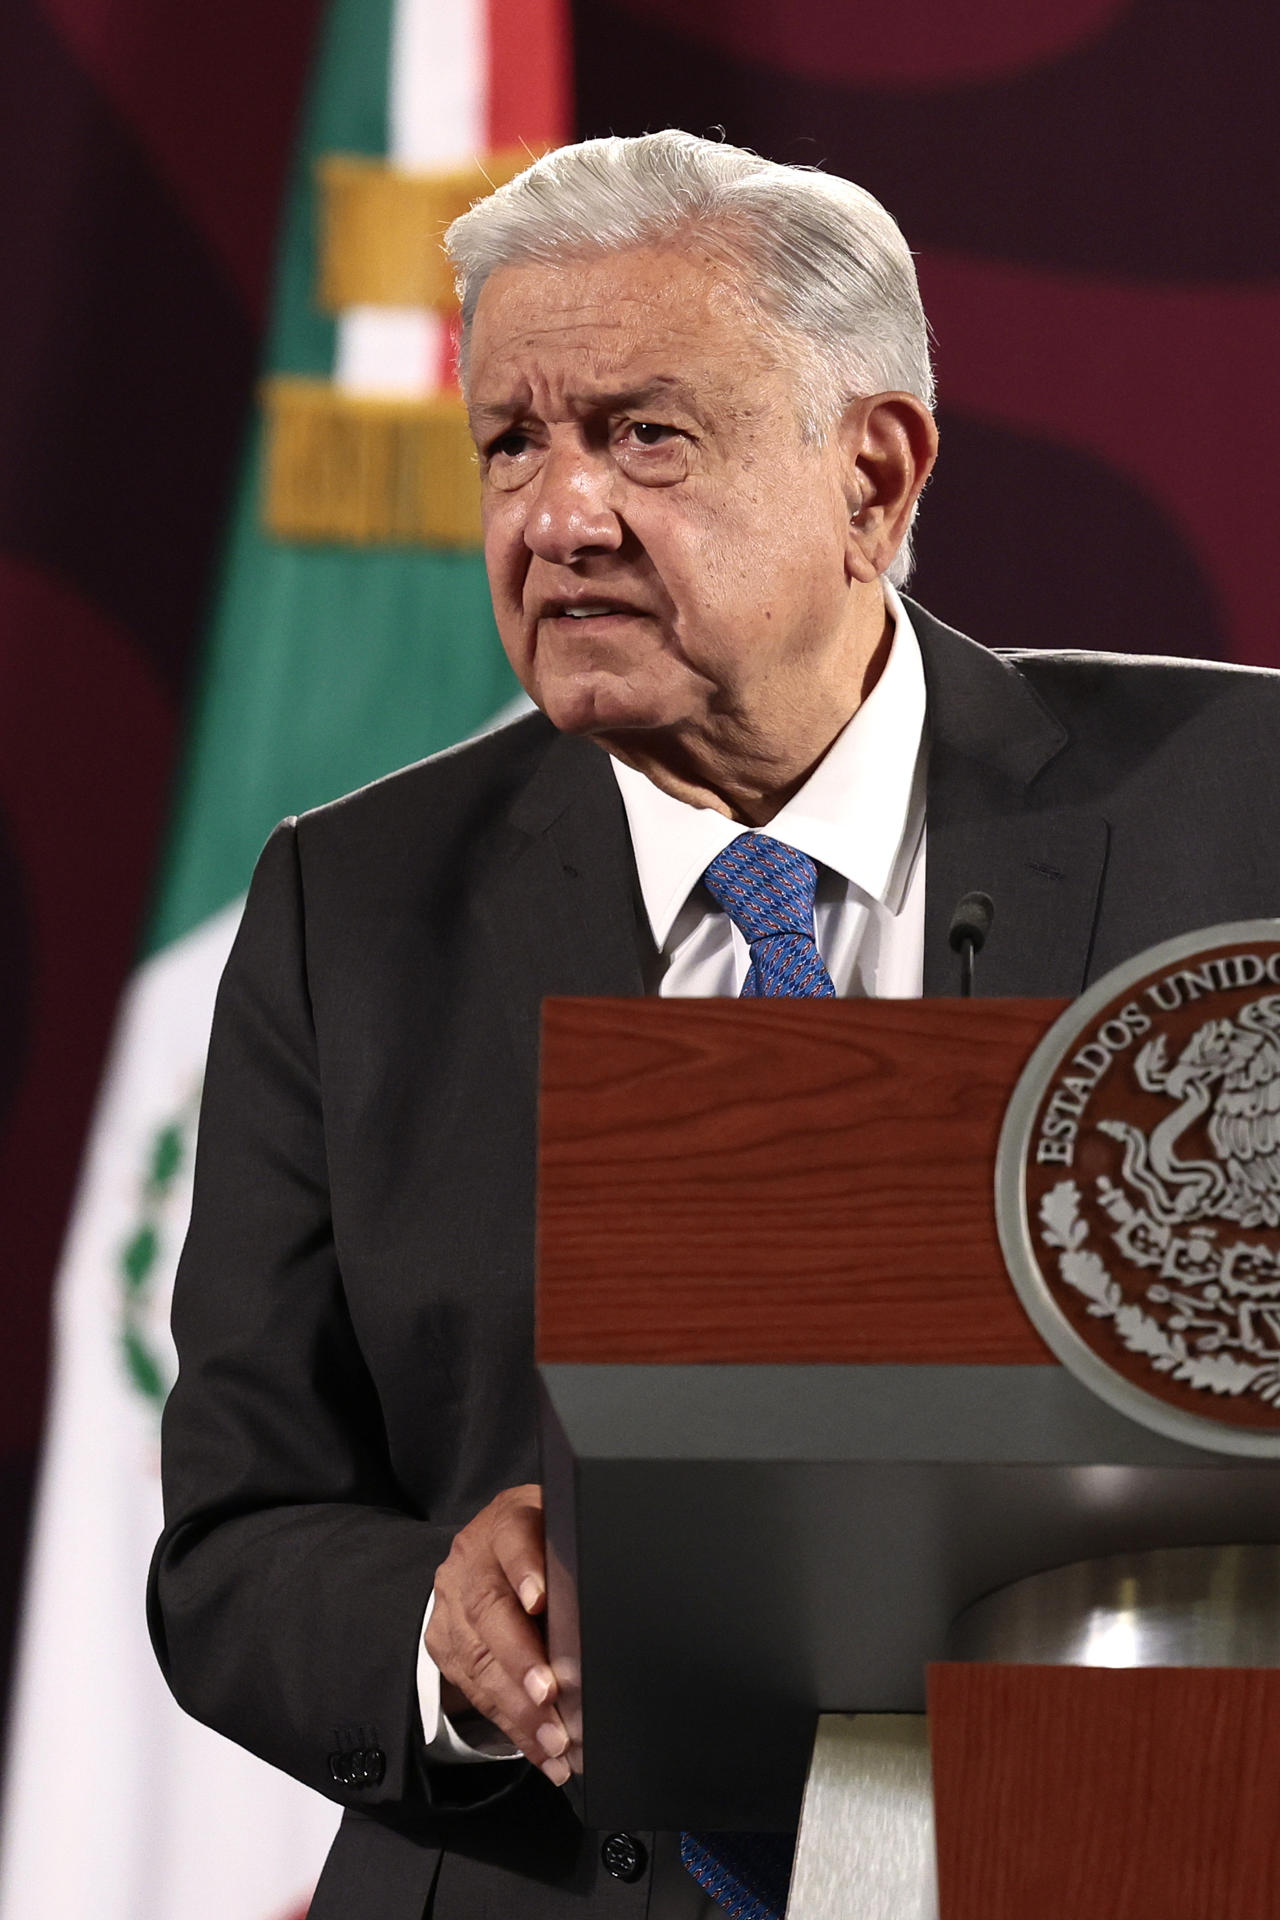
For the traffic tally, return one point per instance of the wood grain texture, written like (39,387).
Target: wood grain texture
(778,1181)
(1145,1794)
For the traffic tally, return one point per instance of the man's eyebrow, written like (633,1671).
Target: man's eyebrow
(663,386)
(495,412)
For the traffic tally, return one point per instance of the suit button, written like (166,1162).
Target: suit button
(624,1856)
(363,1767)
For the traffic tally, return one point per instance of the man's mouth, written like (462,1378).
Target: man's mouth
(591,610)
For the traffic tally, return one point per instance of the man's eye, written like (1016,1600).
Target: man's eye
(508,446)
(650,433)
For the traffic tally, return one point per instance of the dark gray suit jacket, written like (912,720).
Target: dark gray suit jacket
(354,1310)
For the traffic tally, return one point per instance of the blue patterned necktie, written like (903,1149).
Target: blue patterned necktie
(767,890)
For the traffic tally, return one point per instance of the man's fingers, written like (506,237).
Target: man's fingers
(540,1684)
(519,1549)
(539,1732)
(489,1653)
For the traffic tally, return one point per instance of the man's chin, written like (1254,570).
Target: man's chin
(596,709)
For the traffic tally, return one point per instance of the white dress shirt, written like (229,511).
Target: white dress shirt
(860,816)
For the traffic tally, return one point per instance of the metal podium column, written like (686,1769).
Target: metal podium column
(865,1849)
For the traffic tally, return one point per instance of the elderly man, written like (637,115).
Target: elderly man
(700,390)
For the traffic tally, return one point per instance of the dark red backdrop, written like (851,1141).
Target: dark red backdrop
(1092,185)
(142,154)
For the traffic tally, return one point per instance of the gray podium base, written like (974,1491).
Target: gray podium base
(865,1848)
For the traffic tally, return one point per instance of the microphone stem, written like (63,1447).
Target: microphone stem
(966,969)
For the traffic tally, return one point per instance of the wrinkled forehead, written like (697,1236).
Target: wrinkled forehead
(616,321)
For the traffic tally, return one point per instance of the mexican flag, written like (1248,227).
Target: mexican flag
(352,634)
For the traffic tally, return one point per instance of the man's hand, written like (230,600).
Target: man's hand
(482,1635)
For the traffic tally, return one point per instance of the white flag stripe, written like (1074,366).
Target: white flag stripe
(108,1824)
(389,350)
(439,100)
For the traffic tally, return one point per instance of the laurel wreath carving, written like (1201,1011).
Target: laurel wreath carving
(1082,1269)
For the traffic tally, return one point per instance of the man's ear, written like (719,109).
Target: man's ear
(888,444)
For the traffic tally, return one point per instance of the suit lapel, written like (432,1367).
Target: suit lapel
(992,826)
(560,905)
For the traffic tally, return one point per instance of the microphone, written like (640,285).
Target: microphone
(970,925)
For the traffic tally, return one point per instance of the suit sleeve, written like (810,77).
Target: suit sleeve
(288,1588)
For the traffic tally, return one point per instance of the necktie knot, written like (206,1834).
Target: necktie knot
(764,886)
(767,889)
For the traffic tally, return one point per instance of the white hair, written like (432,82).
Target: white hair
(822,260)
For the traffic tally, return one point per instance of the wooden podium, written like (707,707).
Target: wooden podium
(796,1422)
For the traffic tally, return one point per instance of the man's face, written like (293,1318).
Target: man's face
(664,550)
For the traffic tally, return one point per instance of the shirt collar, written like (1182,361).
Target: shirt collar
(859,813)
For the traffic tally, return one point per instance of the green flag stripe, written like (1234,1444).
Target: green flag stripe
(326,666)
(346,112)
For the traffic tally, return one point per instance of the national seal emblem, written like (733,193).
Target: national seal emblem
(1138,1188)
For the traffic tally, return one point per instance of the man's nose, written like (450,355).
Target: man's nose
(571,512)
